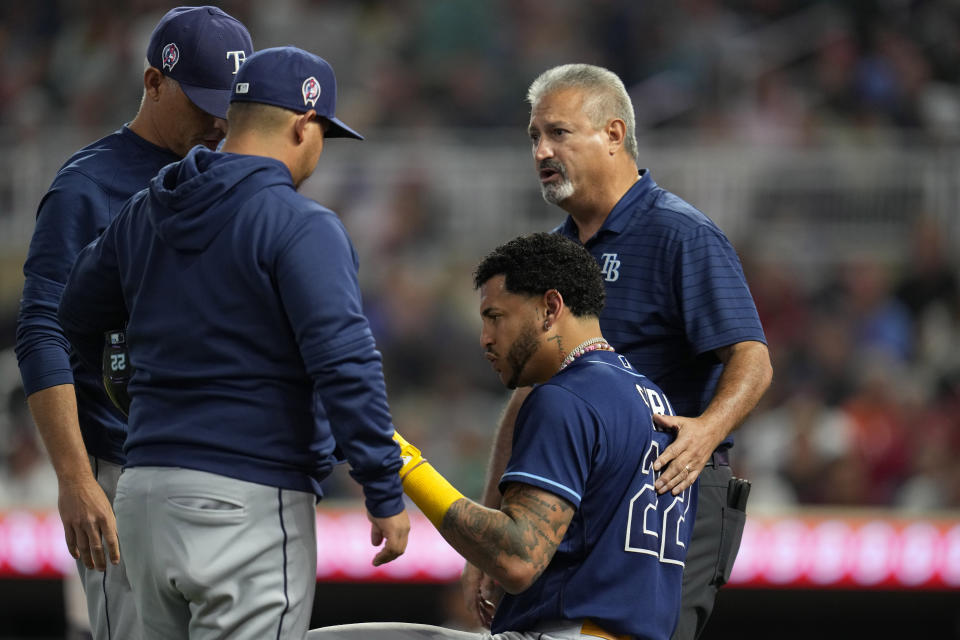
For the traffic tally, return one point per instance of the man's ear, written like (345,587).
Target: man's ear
(616,132)
(301,123)
(152,82)
(553,302)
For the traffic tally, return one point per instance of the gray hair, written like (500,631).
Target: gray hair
(607,98)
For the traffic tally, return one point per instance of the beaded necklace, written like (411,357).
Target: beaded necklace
(593,344)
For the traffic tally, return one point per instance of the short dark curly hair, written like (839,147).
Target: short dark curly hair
(533,264)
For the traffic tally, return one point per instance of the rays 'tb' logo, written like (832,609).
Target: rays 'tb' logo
(310,91)
(170,57)
(610,267)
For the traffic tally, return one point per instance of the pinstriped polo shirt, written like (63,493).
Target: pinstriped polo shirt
(675,292)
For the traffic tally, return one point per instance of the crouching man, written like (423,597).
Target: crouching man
(581,531)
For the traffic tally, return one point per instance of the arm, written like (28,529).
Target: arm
(67,219)
(84,509)
(747,373)
(476,587)
(513,544)
(92,301)
(316,275)
(502,445)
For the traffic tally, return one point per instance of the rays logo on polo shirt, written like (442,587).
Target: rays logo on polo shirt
(170,57)
(310,91)
(610,267)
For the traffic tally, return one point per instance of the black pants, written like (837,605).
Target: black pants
(713,548)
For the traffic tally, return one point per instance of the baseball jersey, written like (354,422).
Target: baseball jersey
(587,435)
(88,191)
(675,292)
(251,353)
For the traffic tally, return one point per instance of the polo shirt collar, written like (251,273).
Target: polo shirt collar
(618,218)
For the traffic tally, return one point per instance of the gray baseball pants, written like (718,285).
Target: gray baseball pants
(211,557)
(562,630)
(110,606)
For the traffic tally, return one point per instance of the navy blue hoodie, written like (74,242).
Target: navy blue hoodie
(253,358)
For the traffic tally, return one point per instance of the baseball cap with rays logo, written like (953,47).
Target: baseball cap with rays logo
(293,79)
(202,48)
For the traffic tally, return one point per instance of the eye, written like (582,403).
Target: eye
(534,138)
(559,133)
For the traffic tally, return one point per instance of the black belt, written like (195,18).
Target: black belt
(720,458)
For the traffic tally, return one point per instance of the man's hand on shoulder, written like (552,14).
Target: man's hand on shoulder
(683,460)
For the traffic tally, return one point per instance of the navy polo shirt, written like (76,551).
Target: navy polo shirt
(675,292)
(87,193)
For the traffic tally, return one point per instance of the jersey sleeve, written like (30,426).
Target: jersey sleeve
(714,299)
(70,215)
(553,443)
(92,300)
(317,281)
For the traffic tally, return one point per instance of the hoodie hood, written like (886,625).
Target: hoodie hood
(192,200)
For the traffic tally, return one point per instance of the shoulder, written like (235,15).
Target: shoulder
(582,390)
(557,397)
(308,212)
(115,165)
(100,159)
(609,384)
(667,225)
(667,213)
(305,220)
(75,179)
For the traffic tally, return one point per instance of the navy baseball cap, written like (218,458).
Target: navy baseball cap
(202,49)
(294,79)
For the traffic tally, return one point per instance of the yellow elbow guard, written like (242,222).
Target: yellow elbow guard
(426,487)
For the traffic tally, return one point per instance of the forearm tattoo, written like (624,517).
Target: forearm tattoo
(528,527)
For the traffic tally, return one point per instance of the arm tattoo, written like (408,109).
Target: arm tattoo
(528,527)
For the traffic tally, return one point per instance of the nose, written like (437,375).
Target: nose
(485,339)
(220,125)
(542,150)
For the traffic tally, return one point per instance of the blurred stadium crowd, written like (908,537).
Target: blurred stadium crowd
(865,406)
(770,71)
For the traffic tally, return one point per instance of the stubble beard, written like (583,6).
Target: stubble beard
(556,192)
(522,349)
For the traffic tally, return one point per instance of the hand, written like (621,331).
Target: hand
(394,531)
(88,523)
(470,579)
(481,594)
(683,460)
